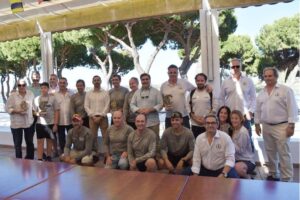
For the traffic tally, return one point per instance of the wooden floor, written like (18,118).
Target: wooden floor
(261,171)
(31,179)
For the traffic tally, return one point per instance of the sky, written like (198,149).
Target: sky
(250,21)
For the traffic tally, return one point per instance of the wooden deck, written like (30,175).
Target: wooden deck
(261,171)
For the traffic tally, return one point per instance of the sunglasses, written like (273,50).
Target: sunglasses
(35,80)
(235,66)
(21,85)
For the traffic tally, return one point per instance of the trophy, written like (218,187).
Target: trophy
(43,107)
(24,106)
(113,105)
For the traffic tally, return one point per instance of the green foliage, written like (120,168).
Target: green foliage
(227,24)
(240,47)
(69,50)
(279,44)
(19,55)
(97,40)
(282,34)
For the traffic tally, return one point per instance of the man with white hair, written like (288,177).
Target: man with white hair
(238,93)
(277,111)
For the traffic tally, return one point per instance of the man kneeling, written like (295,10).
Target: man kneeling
(82,141)
(214,152)
(177,146)
(142,146)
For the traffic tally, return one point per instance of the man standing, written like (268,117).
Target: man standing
(141,146)
(277,111)
(201,102)
(128,114)
(35,86)
(177,145)
(238,93)
(77,102)
(148,101)
(174,96)
(53,82)
(96,104)
(117,94)
(63,97)
(214,152)
(19,106)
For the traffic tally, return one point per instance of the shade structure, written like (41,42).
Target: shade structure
(59,15)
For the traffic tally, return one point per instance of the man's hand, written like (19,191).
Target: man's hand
(209,88)
(133,165)
(72,161)
(258,129)
(169,107)
(97,118)
(108,161)
(144,111)
(54,129)
(179,166)
(124,154)
(198,119)
(169,166)
(19,111)
(290,130)
(221,176)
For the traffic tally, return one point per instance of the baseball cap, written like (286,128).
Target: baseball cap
(76,117)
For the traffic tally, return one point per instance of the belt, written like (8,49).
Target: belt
(273,124)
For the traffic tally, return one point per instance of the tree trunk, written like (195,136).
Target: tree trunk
(59,72)
(8,85)
(157,49)
(2,89)
(134,51)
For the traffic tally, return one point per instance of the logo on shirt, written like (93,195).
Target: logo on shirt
(218,146)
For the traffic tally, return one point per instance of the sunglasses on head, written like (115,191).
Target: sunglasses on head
(176,115)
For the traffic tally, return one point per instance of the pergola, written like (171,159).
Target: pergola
(59,15)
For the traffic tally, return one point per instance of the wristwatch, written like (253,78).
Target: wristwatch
(225,174)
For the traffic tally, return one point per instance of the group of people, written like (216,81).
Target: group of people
(217,143)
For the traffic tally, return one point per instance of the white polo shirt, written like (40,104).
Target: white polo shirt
(178,92)
(97,103)
(213,156)
(238,94)
(14,102)
(279,106)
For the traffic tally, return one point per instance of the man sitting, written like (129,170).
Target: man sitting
(177,145)
(82,142)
